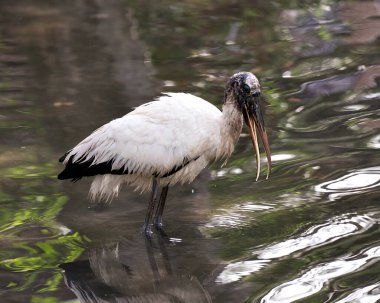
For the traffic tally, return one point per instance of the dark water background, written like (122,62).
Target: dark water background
(309,234)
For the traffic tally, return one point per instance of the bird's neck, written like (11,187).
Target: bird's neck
(232,124)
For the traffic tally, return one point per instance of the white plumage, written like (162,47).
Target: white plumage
(153,139)
(167,141)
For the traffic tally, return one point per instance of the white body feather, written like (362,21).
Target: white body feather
(155,138)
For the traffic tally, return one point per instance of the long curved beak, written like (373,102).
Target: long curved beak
(254,119)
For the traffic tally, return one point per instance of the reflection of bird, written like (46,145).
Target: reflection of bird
(167,141)
(116,273)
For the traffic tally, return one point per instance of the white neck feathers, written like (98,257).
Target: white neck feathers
(230,129)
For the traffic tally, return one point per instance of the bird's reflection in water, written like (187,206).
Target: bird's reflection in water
(115,273)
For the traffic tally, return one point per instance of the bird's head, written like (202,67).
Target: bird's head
(244,90)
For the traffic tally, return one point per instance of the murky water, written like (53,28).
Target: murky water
(309,234)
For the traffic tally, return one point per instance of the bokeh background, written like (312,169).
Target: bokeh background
(309,234)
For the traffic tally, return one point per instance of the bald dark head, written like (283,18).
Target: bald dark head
(241,87)
(243,92)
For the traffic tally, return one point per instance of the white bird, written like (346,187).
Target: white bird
(167,141)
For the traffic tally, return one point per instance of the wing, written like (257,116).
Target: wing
(158,138)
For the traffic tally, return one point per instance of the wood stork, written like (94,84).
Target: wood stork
(167,141)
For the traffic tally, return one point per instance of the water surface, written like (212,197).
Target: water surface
(308,234)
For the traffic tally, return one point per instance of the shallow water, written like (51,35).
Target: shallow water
(308,234)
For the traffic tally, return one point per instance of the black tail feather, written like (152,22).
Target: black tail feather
(86,168)
(77,170)
(64,157)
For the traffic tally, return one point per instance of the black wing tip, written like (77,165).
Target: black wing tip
(75,170)
(64,175)
(67,173)
(64,157)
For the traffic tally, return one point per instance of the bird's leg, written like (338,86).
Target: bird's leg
(149,214)
(152,261)
(160,208)
(164,240)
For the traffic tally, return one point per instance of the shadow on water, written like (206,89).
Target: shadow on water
(309,234)
(141,274)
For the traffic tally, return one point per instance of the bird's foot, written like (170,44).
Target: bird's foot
(147,231)
(158,225)
(160,229)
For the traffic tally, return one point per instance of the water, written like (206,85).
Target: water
(309,234)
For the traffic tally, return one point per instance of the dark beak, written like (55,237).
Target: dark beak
(253,117)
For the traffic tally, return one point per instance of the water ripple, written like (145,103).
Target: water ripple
(228,220)
(237,215)
(374,142)
(314,280)
(235,271)
(355,182)
(368,294)
(333,230)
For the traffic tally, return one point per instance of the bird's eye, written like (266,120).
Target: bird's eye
(246,88)
(256,94)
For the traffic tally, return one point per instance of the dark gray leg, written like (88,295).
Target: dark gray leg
(149,213)
(152,260)
(160,208)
